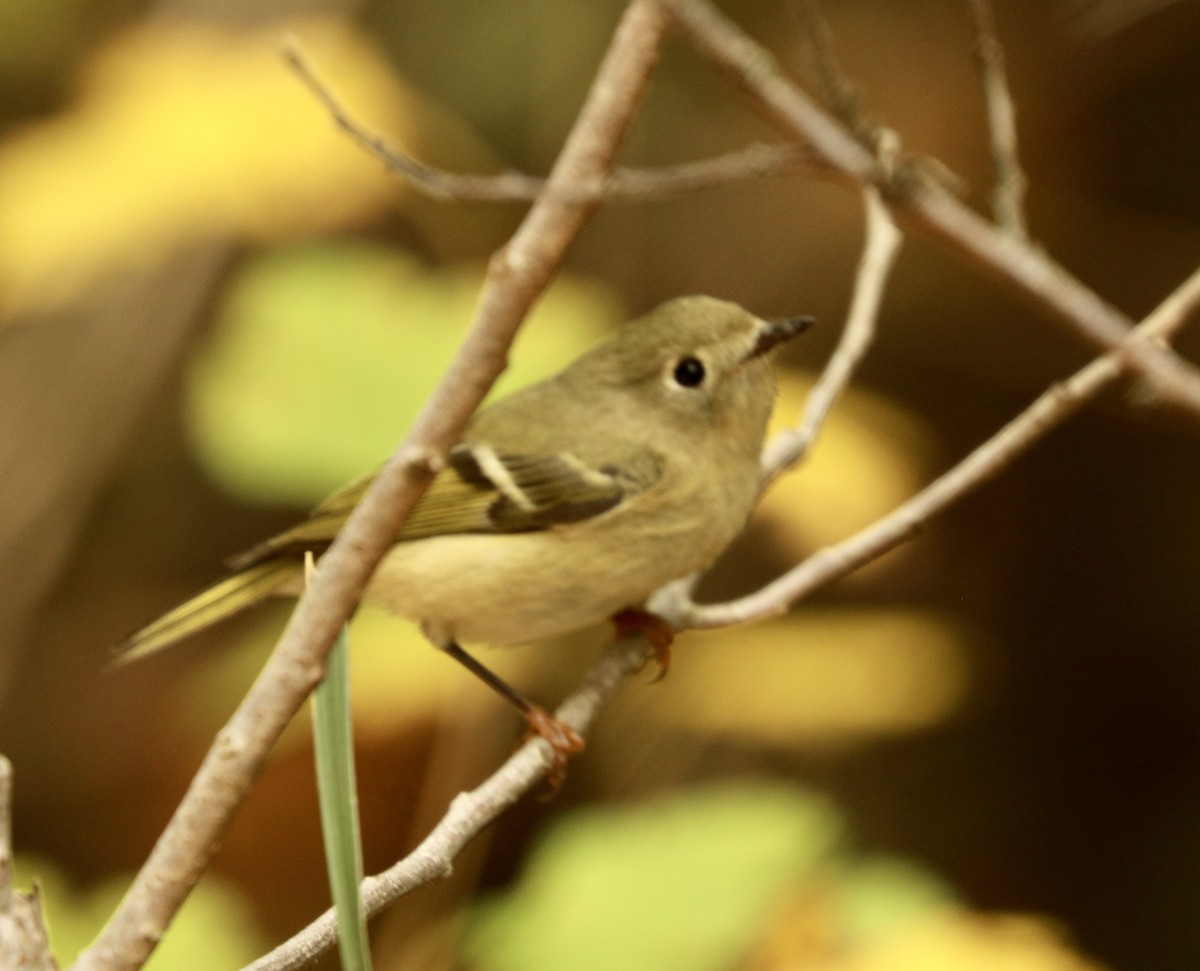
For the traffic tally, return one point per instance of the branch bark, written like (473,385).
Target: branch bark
(1008,197)
(24,942)
(516,277)
(469,813)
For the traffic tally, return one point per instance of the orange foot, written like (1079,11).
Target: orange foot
(657,631)
(563,739)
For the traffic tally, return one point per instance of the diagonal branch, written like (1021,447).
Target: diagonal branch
(516,276)
(1025,269)
(469,813)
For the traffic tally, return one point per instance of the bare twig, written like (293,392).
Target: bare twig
(879,253)
(1046,413)
(1008,197)
(836,90)
(1098,20)
(24,942)
(470,812)
(6,887)
(622,184)
(516,276)
(1028,271)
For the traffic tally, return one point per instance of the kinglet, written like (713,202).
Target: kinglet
(566,502)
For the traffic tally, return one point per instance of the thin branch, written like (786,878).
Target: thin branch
(24,942)
(836,89)
(469,813)
(516,277)
(1025,269)
(622,184)
(6,862)
(1098,20)
(1046,413)
(1008,197)
(880,248)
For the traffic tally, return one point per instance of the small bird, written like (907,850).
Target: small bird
(567,502)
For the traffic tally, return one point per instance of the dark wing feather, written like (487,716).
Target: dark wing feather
(482,491)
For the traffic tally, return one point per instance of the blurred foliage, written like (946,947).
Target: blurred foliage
(681,883)
(180,133)
(214,931)
(323,353)
(821,677)
(750,874)
(869,440)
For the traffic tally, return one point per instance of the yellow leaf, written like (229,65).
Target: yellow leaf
(819,677)
(187,132)
(961,941)
(871,456)
(323,353)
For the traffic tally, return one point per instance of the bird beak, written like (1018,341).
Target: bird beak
(777,331)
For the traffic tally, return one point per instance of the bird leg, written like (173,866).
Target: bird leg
(563,739)
(657,631)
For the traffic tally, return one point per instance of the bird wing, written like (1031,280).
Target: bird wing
(483,490)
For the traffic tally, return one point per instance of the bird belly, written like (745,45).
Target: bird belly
(517,588)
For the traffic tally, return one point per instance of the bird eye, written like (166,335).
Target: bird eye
(689,372)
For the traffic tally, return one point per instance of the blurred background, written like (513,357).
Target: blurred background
(982,751)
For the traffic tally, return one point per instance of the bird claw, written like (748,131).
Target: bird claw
(563,740)
(657,631)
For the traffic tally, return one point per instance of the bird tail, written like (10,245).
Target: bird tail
(223,599)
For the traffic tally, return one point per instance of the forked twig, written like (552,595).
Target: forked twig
(1008,197)
(24,942)
(621,184)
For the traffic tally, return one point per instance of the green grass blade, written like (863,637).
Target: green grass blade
(338,796)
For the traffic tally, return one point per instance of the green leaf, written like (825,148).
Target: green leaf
(213,931)
(333,740)
(881,895)
(685,883)
(323,353)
